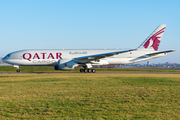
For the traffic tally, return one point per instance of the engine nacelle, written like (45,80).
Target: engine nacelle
(64,64)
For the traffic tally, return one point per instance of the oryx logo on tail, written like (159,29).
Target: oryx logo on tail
(154,40)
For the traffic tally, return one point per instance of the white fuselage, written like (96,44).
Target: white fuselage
(51,57)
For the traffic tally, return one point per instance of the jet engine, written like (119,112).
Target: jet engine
(64,64)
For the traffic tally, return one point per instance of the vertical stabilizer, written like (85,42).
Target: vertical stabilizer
(153,41)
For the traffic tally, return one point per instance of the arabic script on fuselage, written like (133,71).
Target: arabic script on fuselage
(75,53)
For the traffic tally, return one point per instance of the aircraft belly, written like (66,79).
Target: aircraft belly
(118,61)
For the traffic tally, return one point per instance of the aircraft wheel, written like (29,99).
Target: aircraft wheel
(89,70)
(18,70)
(81,70)
(93,70)
(85,70)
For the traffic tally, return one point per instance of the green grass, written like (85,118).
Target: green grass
(51,69)
(83,96)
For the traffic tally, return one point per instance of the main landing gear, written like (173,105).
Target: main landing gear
(87,70)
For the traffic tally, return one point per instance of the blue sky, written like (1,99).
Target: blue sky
(88,24)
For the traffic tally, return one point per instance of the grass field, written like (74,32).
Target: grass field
(90,96)
(51,69)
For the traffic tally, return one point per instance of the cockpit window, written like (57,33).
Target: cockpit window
(7,56)
(11,56)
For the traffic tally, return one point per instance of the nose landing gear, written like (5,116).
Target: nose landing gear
(17,67)
(18,70)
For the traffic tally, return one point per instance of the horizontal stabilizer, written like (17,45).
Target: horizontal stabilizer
(151,54)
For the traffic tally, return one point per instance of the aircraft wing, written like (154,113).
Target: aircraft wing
(100,56)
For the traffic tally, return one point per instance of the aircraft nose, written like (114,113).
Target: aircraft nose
(3,59)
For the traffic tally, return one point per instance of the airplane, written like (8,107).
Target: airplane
(69,59)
